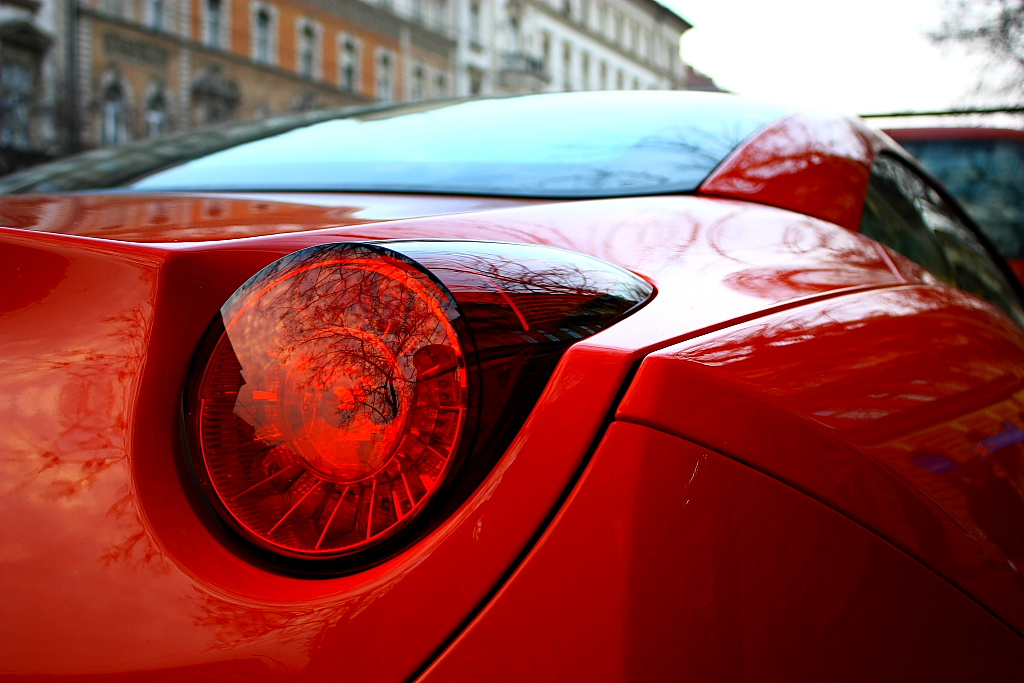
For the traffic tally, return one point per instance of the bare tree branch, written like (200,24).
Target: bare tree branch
(994,28)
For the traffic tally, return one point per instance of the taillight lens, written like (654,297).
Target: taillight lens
(341,388)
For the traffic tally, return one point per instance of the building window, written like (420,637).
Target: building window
(515,37)
(155,14)
(419,83)
(308,57)
(476,81)
(545,51)
(604,76)
(440,14)
(113,124)
(567,67)
(307,47)
(213,22)
(585,67)
(385,77)
(475,25)
(442,85)
(261,35)
(157,121)
(17,85)
(349,76)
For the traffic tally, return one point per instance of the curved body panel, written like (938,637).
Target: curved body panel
(801,458)
(670,561)
(920,442)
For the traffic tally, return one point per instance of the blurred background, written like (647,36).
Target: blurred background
(77,75)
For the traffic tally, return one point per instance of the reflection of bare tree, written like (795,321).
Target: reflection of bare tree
(138,547)
(91,437)
(676,158)
(549,296)
(994,28)
(817,258)
(335,399)
(813,166)
(234,624)
(88,436)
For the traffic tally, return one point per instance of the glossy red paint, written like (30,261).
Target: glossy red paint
(99,447)
(669,561)
(919,442)
(815,163)
(763,473)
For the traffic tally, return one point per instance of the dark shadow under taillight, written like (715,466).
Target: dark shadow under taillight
(349,394)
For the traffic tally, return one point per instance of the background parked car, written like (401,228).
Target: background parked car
(984,169)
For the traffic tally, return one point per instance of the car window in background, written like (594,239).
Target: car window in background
(984,174)
(906,214)
(571,145)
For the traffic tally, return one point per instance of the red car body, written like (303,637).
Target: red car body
(984,170)
(802,457)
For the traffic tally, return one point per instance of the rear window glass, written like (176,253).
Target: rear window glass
(565,146)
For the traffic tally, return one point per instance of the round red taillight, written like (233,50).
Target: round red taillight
(332,404)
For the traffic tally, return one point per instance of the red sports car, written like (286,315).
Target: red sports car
(594,386)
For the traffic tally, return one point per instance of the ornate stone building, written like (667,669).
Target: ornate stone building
(522,46)
(78,74)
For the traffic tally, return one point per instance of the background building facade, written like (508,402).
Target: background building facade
(526,46)
(80,74)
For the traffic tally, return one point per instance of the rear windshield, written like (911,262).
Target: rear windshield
(571,145)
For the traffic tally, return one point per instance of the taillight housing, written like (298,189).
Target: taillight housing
(348,389)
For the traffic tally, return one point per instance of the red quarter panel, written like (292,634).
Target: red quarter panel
(670,562)
(909,425)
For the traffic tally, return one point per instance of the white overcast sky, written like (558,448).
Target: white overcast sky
(857,56)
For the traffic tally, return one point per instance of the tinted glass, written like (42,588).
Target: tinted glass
(987,177)
(891,216)
(903,212)
(596,144)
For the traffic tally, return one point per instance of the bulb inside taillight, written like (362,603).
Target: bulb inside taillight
(331,407)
